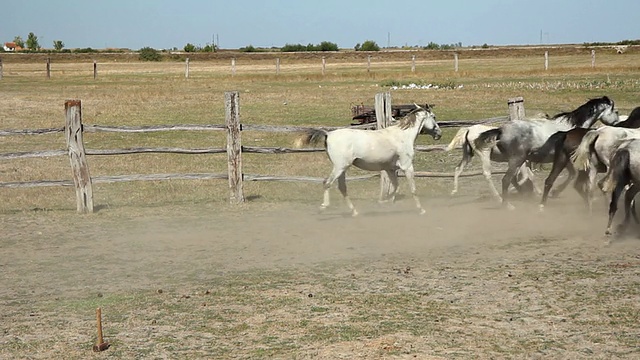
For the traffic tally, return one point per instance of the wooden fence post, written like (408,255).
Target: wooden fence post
(368,63)
(77,156)
(95,70)
(546,60)
(234,146)
(48,68)
(233,66)
(413,63)
(593,58)
(1,69)
(324,65)
(277,66)
(186,68)
(516,108)
(455,62)
(383,119)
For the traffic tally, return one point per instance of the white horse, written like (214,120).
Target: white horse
(465,138)
(387,150)
(594,153)
(517,140)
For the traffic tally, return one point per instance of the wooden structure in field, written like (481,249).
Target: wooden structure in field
(82,180)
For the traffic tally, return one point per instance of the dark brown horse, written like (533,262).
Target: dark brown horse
(564,143)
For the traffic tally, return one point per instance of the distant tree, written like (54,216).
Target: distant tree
(328,46)
(18,41)
(149,54)
(209,48)
(248,48)
(58,45)
(32,42)
(432,46)
(190,48)
(368,45)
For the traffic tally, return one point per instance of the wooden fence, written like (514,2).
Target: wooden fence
(82,180)
(277,67)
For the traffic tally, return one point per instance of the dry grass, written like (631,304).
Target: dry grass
(272,278)
(134,93)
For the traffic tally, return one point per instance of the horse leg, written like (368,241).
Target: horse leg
(393,179)
(581,185)
(628,200)
(514,165)
(485,156)
(560,161)
(335,173)
(342,185)
(456,174)
(591,184)
(566,164)
(412,187)
(613,206)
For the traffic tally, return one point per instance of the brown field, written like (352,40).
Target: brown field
(179,273)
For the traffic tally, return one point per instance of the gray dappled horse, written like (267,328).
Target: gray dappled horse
(518,139)
(624,170)
(387,149)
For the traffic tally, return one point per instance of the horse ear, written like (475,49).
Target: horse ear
(417,106)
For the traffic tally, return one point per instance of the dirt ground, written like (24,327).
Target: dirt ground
(466,280)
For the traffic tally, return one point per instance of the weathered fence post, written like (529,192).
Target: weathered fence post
(324,65)
(77,156)
(455,62)
(233,66)
(95,70)
(234,146)
(516,108)
(186,68)
(413,63)
(1,69)
(546,60)
(593,58)
(277,66)
(48,68)
(368,63)
(383,118)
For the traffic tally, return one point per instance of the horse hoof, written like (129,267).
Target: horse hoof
(510,207)
(453,192)
(541,208)
(354,213)
(607,232)
(423,211)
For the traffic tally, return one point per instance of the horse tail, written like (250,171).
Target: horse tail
(549,145)
(618,170)
(311,136)
(488,138)
(458,140)
(581,156)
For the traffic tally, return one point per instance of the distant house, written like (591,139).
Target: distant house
(11,46)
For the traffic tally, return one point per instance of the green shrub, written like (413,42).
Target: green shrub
(368,45)
(149,54)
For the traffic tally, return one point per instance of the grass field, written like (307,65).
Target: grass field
(179,273)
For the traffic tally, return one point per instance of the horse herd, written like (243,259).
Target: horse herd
(568,140)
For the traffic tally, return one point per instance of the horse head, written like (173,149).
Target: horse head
(605,108)
(428,120)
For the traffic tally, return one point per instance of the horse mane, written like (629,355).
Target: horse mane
(578,116)
(409,120)
(633,121)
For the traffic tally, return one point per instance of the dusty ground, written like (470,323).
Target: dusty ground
(467,280)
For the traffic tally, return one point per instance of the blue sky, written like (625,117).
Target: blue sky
(166,24)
